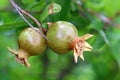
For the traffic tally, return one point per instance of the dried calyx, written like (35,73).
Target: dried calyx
(21,56)
(79,45)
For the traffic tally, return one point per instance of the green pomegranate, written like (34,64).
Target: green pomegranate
(62,37)
(30,43)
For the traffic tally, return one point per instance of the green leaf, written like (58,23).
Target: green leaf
(114,38)
(65,9)
(12,25)
(96,24)
(28,1)
(102,33)
(45,14)
(36,6)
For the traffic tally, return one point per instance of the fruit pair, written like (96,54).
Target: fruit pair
(62,37)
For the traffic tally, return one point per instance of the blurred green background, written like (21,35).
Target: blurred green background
(98,17)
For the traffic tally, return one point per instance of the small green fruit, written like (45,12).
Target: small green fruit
(62,37)
(30,43)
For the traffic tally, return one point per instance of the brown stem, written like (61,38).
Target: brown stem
(33,18)
(21,12)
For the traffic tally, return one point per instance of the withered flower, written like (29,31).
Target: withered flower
(80,45)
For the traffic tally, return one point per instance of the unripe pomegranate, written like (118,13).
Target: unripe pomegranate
(62,37)
(30,43)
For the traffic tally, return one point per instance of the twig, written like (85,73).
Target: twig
(20,11)
(34,19)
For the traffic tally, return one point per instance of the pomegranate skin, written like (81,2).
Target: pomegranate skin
(31,41)
(60,36)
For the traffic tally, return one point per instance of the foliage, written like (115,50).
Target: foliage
(98,17)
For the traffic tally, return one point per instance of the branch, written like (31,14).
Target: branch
(20,11)
(34,19)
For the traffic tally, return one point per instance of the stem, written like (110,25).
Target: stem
(20,11)
(34,19)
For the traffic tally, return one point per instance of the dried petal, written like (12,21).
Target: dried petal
(21,56)
(87,47)
(75,56)
(81,56)
(80,45)
(87,36)
(78,50)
